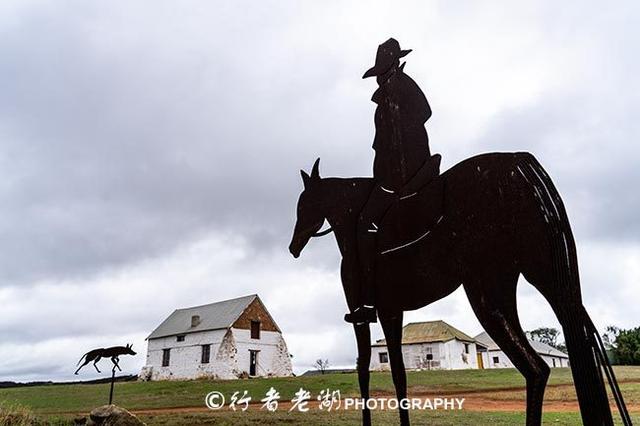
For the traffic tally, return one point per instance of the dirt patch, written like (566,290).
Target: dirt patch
(480,400)
(498,400)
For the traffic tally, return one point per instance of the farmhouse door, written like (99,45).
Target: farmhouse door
(253,362)
(480,363)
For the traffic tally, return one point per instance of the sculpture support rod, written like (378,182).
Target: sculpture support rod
(113,378)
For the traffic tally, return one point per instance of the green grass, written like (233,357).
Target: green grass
(140,395)
(65,400)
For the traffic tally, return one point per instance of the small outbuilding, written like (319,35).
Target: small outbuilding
(223,340)
(493,357)
(429,345)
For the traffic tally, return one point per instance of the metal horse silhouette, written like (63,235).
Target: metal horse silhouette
(113,352)
(480,224)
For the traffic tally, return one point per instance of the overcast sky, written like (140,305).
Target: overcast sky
(149,155)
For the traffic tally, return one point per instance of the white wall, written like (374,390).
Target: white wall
(459,359)
(273,358)
(185,357)
(448,356)
(505,362)
(560,362)
(229,355)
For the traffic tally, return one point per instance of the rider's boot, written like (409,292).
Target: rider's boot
(361,315)
(366,312)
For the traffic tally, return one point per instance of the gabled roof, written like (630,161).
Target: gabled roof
(487,341)
(541,348)
(214,316)
(429,332)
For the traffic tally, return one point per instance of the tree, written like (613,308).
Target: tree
(609,338)
(625,344)
(548,335)
(321,365)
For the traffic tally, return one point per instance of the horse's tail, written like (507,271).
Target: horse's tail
(586,351)
(603,362)
(588,361)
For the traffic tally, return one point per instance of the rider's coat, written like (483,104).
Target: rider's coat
(401,142)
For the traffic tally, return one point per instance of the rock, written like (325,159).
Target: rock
(112,415)
(146,373)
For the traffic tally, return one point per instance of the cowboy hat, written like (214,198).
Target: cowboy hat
(388,53)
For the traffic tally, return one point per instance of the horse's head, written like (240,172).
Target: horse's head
(310,216)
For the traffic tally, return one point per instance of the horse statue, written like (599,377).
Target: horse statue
(491,218)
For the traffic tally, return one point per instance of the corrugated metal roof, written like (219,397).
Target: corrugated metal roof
(541,348)
(428,332)
(213,316)
(487,341)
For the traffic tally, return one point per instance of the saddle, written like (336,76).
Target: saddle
(413,216)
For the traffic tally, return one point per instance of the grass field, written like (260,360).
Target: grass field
(495,397)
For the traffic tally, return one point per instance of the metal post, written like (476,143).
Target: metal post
(113,377)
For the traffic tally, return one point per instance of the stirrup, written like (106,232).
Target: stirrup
(362,315)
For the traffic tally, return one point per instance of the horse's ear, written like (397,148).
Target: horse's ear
(315,171)
(305,178)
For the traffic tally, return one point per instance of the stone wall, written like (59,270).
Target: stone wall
(256,311)
(445,355)
(229,358)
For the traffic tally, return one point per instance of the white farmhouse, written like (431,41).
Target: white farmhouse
(223,340)
(429,345)
(493,357)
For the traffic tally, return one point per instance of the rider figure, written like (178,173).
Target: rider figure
(402,161)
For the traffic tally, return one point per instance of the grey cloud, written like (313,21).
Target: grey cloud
(114,153)
(590,153)
(126,133)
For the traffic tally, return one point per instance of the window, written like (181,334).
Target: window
(466,348)
(384,357)
(166,355)
(429,357)
(255,329)
(206,352)
(496,360)
(180,338)
(554,361)
(195,320)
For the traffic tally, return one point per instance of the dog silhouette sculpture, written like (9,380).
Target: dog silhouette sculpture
(113,352)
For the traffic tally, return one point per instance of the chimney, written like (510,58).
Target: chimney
(195,320)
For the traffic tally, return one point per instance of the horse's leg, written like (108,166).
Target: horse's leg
(95,364)
(494,303)
(115,360)
(363,337)
(392,327)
